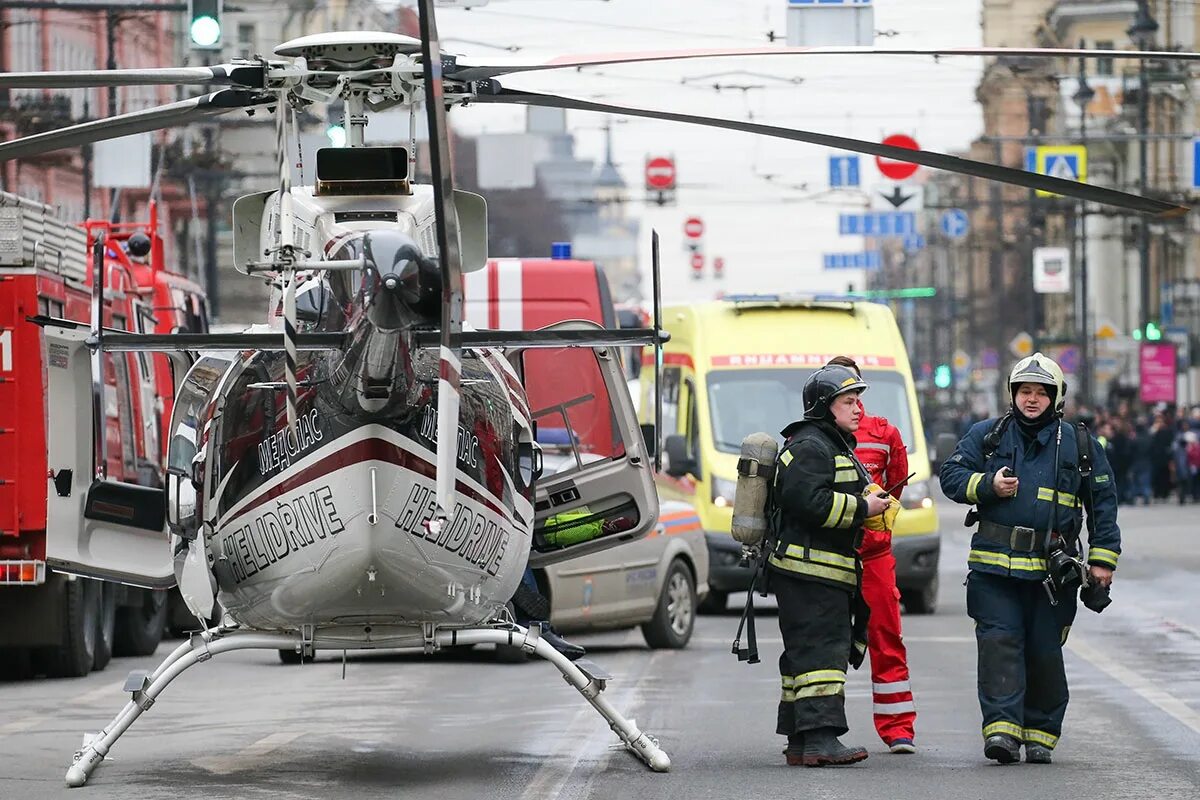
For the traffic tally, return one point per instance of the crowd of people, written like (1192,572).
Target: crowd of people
(1154,453)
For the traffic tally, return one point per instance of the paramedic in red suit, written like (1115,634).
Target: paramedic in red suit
(882,451)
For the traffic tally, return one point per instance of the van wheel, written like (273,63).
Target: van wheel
(80,622)
(106,626)
(714,602)
(922,600)
(140,628)
(675,618)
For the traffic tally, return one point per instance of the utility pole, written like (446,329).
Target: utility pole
(1142,32)
(1083,95)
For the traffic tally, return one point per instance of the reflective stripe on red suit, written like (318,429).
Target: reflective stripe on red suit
(881,450)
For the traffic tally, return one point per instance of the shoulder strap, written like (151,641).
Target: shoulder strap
(992,440)
(1083,443)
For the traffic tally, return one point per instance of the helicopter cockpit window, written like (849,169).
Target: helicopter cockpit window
(314,300)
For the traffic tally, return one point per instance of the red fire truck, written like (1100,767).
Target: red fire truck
(52,622)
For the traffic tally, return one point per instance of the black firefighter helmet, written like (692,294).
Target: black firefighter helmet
(827,383)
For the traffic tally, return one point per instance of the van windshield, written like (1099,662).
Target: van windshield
(743,401)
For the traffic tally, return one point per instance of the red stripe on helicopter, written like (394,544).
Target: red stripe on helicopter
(356,453)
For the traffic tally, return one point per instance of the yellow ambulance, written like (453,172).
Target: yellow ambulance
(738,365)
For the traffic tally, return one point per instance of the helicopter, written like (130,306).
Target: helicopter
(370,476)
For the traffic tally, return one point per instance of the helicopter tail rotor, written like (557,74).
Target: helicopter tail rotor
(450,258)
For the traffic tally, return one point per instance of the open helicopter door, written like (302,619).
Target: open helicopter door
(596,489)
(94,527)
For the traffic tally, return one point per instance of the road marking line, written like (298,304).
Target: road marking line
(27,723)
(1138,683)
(582,735)
(19,725)
(248,758)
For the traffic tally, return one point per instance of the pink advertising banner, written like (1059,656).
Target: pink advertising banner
(1157,372)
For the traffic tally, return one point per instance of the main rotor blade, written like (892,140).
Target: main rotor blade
(963,166)
(250,76)
(150,119)
(471,72)
(450,257)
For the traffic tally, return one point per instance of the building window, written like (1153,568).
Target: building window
(1104,66)
(246,39)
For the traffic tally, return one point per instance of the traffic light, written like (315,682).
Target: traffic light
(941,376)
(335,127)
(1151,333)
(204,24)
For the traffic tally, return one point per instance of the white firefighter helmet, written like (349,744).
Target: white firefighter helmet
(1042,369)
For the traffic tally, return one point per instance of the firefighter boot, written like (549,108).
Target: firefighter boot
(1002,748)
(1036,754)
(822,748)
(794,752)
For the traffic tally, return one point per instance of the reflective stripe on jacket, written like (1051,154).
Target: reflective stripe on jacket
(818,490)
(966,478)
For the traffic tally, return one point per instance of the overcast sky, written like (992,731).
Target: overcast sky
(770,235)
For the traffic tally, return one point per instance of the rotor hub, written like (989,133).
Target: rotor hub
(349,49)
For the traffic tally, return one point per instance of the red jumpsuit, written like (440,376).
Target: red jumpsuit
(881,450)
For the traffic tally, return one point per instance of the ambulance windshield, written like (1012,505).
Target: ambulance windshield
(742,401)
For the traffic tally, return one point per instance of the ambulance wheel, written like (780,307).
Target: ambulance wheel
(715,602)
(140,628)
(80,627)
(106,626)
(675,618)
(922,600)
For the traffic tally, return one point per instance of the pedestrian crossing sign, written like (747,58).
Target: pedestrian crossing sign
(1068,162)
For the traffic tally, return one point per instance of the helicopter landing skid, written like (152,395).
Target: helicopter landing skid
(144,688)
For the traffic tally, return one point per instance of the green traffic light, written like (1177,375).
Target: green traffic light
(205,31)
(1153,332)
(941,376)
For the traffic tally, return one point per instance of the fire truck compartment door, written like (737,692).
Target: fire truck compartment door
(101,529)
(596,489)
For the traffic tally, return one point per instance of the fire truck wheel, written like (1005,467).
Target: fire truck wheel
(106,623)
(140,628)
(80,626)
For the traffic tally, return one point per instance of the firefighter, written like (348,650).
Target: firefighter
(1025,473)
(814,567)
(881,450)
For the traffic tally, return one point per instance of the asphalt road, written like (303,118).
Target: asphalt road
(459,726)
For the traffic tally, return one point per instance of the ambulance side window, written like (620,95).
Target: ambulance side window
(670,400)
(693,424)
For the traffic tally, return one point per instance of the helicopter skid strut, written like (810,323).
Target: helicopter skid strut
(146,687)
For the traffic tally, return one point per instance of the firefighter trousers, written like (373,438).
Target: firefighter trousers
(1020,636)
(893,707)
(815,620)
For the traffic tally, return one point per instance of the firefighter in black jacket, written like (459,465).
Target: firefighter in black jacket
(814,567)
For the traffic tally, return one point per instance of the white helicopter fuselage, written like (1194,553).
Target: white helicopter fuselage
(329,525)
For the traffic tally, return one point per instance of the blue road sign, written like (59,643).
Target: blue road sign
(879,223)
(865,260)
(1031,159)
(843,171)
(1196,163)
(914,242)
(830,2)
(955,223)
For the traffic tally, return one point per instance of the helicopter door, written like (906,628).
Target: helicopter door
(596,489)
(98,528)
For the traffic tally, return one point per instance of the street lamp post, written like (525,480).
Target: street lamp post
(1083,95)
(1142,33)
